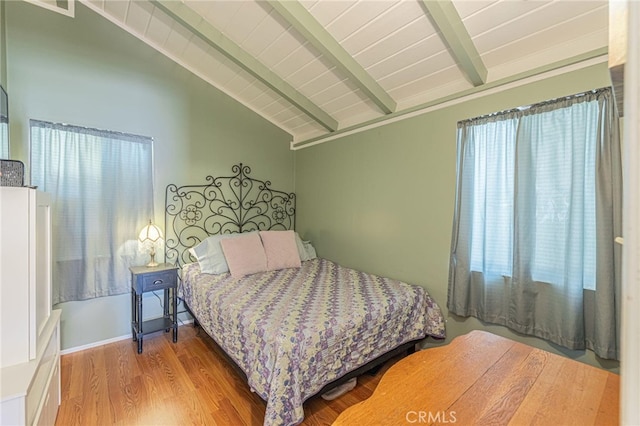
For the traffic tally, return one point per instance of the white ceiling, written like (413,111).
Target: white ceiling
(320,67)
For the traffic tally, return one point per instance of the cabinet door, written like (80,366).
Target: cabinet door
(15,321)
(42,261)
(25,272)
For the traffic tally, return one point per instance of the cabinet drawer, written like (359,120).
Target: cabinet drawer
(49,410)
(159,281)
(42,379)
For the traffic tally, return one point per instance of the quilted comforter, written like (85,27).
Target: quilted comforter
(292,331)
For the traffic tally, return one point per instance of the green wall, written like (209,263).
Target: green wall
(88,72)
(382,200)
(3,47)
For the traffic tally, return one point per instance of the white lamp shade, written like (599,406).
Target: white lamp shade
(150,233)
(149,239)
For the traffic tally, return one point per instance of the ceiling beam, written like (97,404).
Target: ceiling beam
(563,66)
(209,34)
(446,18)
(300,19)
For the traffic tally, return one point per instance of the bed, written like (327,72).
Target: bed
(294,332)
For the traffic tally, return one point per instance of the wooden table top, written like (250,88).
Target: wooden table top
(484,379)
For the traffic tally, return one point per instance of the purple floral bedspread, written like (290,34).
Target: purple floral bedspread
(294,330)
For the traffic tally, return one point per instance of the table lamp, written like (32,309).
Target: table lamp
(150,237)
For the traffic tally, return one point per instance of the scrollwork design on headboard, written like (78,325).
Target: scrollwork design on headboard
(225,205)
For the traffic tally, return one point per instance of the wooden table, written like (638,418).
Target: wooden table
(484,379)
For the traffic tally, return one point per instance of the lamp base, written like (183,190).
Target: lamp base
(152,263)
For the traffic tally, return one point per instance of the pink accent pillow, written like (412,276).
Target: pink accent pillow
(245,255)
(281,249)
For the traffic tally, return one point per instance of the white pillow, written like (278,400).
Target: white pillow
(305,249)
(210,255)
(309,250)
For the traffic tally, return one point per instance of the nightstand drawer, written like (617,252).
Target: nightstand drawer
(158,281)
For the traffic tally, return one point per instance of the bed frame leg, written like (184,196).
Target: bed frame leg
(195,321)
(374,371)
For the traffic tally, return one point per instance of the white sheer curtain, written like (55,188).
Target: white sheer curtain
(101,187)
(4,138)
(4,124)
(538,206)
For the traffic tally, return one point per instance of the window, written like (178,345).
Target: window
(4,124)
(4,138)
(492,149)
(557,184)
(101,187)
(537,211)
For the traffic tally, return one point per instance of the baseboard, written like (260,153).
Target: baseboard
(107,341)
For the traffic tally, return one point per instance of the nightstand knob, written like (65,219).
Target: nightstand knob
(157,282)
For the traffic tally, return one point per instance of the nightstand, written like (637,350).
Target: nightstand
(144,279)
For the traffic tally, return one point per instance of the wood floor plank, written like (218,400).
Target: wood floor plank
(72,412)
(188,382)
(95,391)
(124,385)
(65,376)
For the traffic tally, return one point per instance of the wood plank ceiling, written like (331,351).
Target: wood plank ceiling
(316,68)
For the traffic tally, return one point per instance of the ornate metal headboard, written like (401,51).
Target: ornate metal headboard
(227,204)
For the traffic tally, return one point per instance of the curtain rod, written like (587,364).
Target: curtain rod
(535,105)
(42,123)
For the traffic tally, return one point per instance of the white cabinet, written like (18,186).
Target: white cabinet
(29,329)
(30,392)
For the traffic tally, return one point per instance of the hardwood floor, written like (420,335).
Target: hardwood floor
(188,382)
